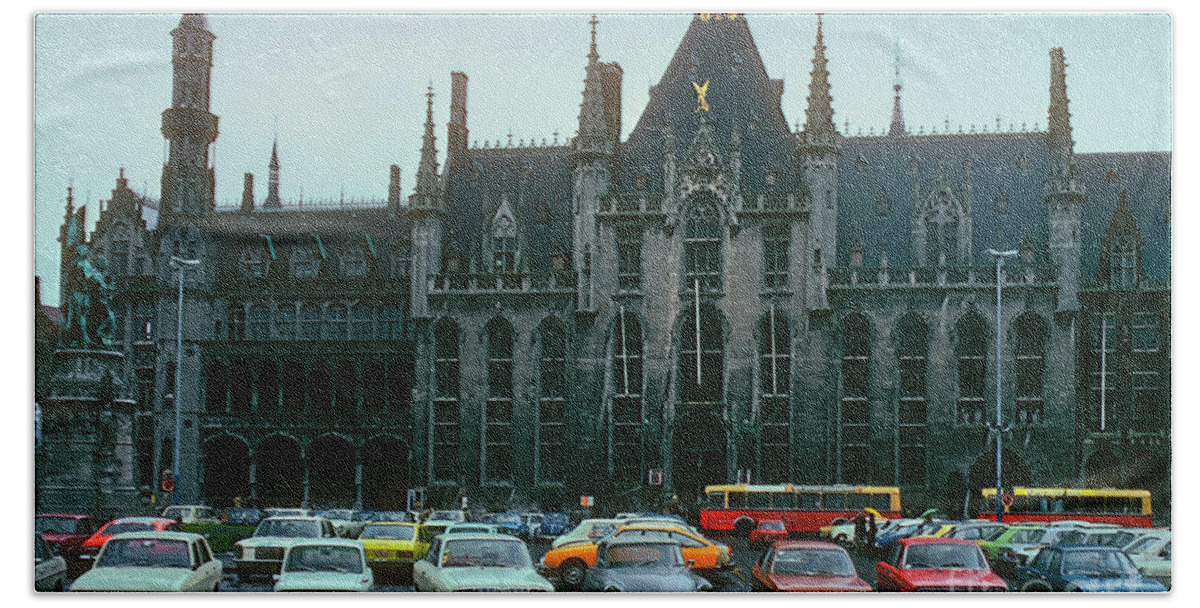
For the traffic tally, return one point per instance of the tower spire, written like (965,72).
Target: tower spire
(189,126)
(1062,145)
(427,178)
(593,54)
(897,129)
(272,200)
(818,117)
(1064,191)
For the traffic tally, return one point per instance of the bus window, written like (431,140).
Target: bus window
(833,501)
(808,500)
(783,500)
(857,502)
(716,500)
(881,502)
(1092,504)
(758,500)
(1070,504)
(737,500)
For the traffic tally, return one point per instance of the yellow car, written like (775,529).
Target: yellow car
(392,544)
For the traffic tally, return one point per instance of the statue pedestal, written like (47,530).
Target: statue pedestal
(85,463)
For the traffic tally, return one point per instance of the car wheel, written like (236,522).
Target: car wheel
(572,573)
(1035,587)
(743,527)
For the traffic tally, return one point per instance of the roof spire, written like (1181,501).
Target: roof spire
(1062,146)
(818,117)
(593,54)
(897,127)
(272,201)
(427,170)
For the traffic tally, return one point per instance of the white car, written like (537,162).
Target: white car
(1151,553)
(478,562)
(588,531)
(192,514)
(49,568)
(262,553)
(153,561)
(328,564)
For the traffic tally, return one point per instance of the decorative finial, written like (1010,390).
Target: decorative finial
(593,55)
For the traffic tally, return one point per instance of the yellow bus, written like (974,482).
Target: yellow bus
(1130,508)
(738,508)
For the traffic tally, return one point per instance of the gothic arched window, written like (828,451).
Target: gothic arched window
(855,415)
(305,263)
(1124,262)
(445,413)
(260,322)
(774,414)
(254,265)
(498,454)
(1031,340)
(941,229)
(912,346)
(354,262)
(552,411)
(702,245)
(701,356)
(625,439)
(971,352)
(337,322)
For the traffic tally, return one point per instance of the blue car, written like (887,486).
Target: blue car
(510,523)
(555,524)
(243,516)
(1082,568)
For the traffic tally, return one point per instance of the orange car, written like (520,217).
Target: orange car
(91,546)
(571,562)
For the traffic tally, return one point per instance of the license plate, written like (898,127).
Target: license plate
(379,553)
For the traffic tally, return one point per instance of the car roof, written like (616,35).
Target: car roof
(486,536)
(294,518)
(935,540)
(1073,548)
(805,544)
(611,541)
(392,523)
(333,542)
(163,535)
(63,515)
(140,520)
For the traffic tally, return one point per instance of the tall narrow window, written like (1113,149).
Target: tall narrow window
(260,322)
(310,322)
(1124,262)
(1145,332)
(504,254)
(629,258)
(354,262)
(254,263)
(143,322)
(305,263)
(776,241)
(626,417)
(237,322)
(855,416)
(701,356)
(499,411)
(1031,339)
(346,399)
(1102,381)
(702,246)
(552,411)
(285,320)
(1145,407)
(363,325)
(911,411)
(775,360)
(293,386)
(971,352)
(401,259)
(337,322)
(373,386)
(241,386)
(445,402)
(118,258)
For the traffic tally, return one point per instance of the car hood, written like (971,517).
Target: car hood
(493,578)
(1115,583)
(268,541)
(131,579)
(322,581)
(653,580)
(953,578)
(802,582)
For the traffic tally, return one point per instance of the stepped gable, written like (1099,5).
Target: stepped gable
(1015,162)
(537,182)
(1146,178)
(721,50)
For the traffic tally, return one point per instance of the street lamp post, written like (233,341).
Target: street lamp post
(181,265)
(999,426)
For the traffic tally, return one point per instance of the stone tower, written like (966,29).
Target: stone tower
(819,148)
(427,207)
(187,179)
(1064,190)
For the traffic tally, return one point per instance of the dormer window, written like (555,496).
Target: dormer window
(254,264)
(1124,263)
(354,262)
(504,254)
(305,263)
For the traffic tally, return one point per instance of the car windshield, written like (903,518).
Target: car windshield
(337,514)
(1097,563)
(994,534)
(1030,536)
(944,555)
(470,529)
(173,512)
(642,555)
(771,525)
(445,516)
(812,562)
(471,552)
(506,518)
(1142,545)
(144,553)
(65,525)
(127,527)
(392,516)
(393,532)
(556,518)
(289,528)
(324,558)
(243,513)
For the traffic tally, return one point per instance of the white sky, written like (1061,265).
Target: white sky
(347,90)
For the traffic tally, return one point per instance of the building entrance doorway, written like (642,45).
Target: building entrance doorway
(698,453)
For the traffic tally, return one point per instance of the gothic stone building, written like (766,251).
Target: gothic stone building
(714,294)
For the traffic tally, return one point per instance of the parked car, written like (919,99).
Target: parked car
(973,531)
(1099,537)
(509,523)
(49,568)
(904,528)
(768,531)
(588,530)
(287,512)
(153,561)
(642,565)
(790,565)
(430,530)
(192,514)
(1019,554)
(326,564)
(346,522)
(554,524)
(66,533)
(1151,553)
(91,547)
(244,516)
(452,516)
(478,562)
(262,553)
(1015,535)
(936,564)
(571,562)
(1082,568)
(392,544)
(844,534)
(473,528)
(400,516)
(533,524)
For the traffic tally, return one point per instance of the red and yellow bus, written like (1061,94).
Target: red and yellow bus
(1129,508)
(739,508)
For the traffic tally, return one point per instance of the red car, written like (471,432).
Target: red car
(936,564)
(794,565)
(767,531)
(66,531)
(91,546)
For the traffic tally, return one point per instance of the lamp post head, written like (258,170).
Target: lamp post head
(1005,254)
(178,262)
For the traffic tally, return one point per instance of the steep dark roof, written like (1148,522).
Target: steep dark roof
(1146,178)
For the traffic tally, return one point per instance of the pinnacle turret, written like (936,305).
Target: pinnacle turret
(819,129)
(272,200)
(426,193)
(897,128)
